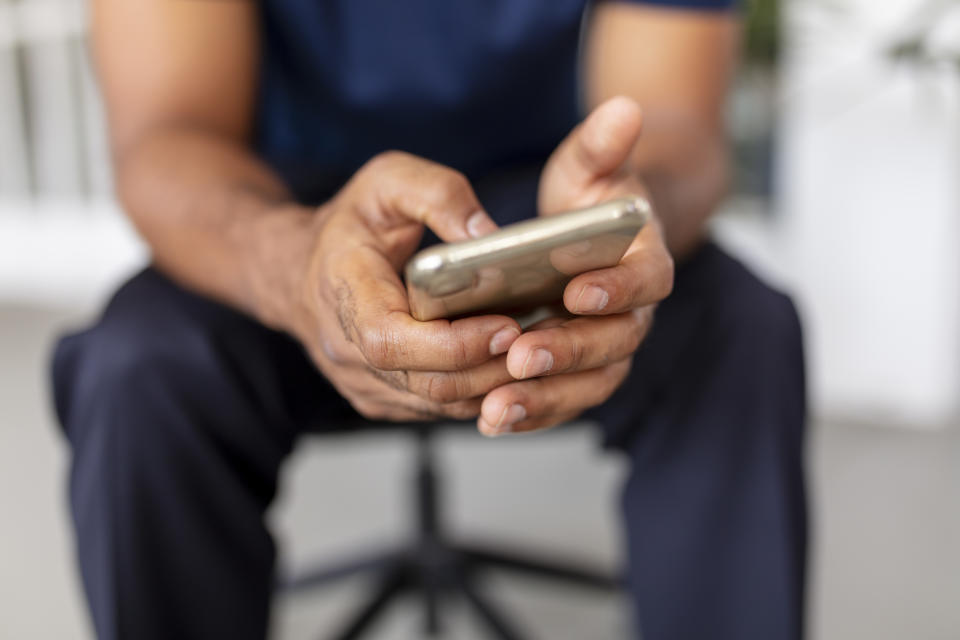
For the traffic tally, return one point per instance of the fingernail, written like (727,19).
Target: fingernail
(592,299)
(501,340)
(538,361)
(513,414)
(480,224)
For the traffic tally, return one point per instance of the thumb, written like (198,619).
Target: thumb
(599,145)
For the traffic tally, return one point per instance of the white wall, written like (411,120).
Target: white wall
(871,206)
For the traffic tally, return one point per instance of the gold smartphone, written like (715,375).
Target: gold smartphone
(523,265)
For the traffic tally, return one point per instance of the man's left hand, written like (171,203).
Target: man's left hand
(564,366)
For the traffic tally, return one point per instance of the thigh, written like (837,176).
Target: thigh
(153,328)
(179,412)
(712,419)
(716,340)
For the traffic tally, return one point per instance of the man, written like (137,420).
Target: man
(251,143)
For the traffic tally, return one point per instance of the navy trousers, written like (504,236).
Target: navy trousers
(179,412)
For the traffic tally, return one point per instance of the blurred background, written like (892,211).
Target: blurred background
(846,122)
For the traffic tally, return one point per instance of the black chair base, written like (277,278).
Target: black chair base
(437,569)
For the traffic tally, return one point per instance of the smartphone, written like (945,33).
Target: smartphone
(524,265)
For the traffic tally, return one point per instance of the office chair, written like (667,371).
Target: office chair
(434,567)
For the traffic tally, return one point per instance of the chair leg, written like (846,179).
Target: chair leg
(494,620)
(433,567)
(323,576)
(479,557)
(393,583)
(431,610)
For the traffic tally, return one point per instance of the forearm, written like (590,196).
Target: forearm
(217,220)
(685,165)
(677,65)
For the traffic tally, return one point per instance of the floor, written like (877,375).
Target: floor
(886,561)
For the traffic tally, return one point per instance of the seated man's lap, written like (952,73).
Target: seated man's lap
(154,328)
(214,401)
(721,327)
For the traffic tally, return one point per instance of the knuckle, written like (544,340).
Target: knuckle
(459,350)
(440,388)
(375,347)
(384,161)
(335,352)
(593,137)
(449,185)
(454,181)
(577,354)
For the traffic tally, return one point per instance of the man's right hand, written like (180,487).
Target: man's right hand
(220,222)
(353,316)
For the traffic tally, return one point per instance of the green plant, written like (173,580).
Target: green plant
(762,32)
(913,45)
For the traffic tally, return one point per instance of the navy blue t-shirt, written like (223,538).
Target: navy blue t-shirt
(488,87)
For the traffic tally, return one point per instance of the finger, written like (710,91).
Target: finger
(395,406)
(443,387)
(578,345)
(461,410)
(534,424)
(384,395)
(644,276)
(428,192)
(372,308)
(508,406)
(596,148)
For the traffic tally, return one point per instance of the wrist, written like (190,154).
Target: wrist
(282,246)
